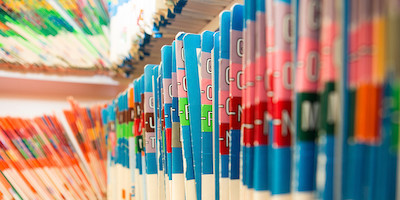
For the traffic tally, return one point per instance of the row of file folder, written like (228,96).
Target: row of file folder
(54,156)
(289,99)
(84,34)
(55,33)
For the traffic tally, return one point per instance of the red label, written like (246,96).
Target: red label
(282,122)
(168,134)
(235,108)
(137,127)
(248,128)
(261,124)
(224,139)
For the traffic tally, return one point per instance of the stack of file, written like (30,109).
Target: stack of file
(80,34)
(40,159)
(289,99)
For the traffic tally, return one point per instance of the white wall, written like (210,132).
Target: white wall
(34,107)
(22,96)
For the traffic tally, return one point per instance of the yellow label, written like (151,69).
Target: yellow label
(379,50)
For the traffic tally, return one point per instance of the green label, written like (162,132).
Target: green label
(138,144)
(351,113)
(307,107)
(118,128)
(206,118)
(394,140)
(329,109)
(130,129)
(184,111)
